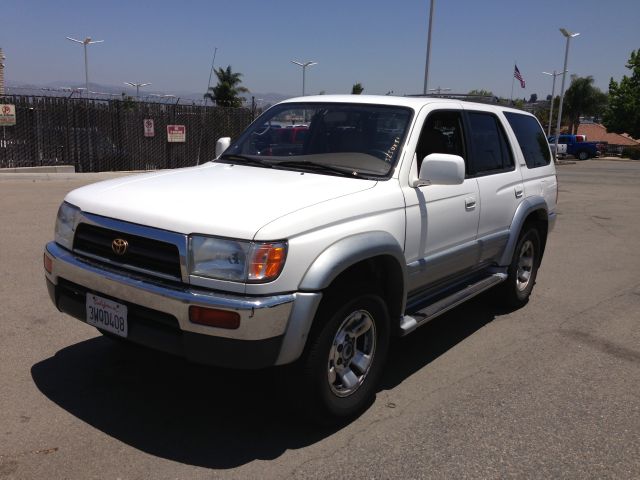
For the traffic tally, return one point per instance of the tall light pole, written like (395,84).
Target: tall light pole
(137,85)
(439,90)
(84,43)
(553,91)
(426,65)
(568,36)
(304,66)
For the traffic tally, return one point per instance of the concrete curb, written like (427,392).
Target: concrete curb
(44,169)
(83,177)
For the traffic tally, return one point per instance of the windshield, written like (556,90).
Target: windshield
(357,140)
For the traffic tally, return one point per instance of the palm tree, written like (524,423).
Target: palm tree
(227,92)
(582,98)
(357,89)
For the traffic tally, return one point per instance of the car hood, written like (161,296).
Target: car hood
(214,199)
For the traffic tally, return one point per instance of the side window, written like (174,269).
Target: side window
(533,143)
(490,150)
(441,133)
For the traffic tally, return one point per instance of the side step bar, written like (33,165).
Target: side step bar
(410,322)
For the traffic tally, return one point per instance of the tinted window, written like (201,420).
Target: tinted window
(531,138)
(491,151)
(442,133)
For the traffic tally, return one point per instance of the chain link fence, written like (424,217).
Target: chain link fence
(97,135)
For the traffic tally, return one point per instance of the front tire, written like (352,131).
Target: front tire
(345,355)
(583,155)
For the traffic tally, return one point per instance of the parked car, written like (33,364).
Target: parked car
(576,145)
(390,213)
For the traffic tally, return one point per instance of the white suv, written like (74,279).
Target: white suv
(386,213)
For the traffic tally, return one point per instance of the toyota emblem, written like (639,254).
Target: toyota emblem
(119,246)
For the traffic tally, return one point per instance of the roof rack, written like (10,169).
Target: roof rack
(461,96)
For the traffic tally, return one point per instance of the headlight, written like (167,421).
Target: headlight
(66,224)
(236,260)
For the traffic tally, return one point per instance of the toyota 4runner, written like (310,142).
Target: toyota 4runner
(388,213)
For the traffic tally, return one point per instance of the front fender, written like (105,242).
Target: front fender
(334,260)
(348,251)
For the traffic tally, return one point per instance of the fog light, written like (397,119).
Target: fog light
(48,263)
(214,318)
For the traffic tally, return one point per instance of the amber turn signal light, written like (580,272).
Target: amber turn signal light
(48,263)
(214,318)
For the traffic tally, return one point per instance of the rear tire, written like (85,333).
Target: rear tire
(343,361)
(514,292)
(583,155)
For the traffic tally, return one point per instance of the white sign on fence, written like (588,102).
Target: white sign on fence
(7,115)
(176,133)
(149,130)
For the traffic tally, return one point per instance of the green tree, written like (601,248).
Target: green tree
(357,89)
(582,98)
(481,93)
(623,114)
(227,92)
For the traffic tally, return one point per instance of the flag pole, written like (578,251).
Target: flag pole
(513,78)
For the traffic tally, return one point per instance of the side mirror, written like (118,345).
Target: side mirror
(441,169)
(221,145)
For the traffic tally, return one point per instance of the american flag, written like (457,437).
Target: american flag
(516,74)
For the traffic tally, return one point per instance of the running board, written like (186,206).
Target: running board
(410,322)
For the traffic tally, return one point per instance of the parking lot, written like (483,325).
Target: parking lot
(551,390)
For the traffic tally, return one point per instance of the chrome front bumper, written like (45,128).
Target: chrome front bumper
(261,318)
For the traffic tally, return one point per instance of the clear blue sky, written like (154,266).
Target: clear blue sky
(380,44)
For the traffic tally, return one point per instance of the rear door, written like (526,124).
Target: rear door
(534,157)
(499,180)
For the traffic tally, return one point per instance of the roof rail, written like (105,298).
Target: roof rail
(461,96)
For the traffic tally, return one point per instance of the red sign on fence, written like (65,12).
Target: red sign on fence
(7,115)
(149,130)
(176,133)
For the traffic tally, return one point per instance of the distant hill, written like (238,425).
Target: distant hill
(66,88)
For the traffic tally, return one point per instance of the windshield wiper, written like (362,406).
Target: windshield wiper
(246,159)
(314,166)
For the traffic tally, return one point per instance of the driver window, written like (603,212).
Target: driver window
(441,133)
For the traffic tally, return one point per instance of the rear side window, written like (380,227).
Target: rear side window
(533,143)
(491,153)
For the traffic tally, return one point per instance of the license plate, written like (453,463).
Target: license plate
(107,315)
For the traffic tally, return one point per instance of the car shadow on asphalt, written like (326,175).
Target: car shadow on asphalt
(409,354)
(213,417)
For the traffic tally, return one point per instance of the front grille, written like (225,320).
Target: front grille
(142,253)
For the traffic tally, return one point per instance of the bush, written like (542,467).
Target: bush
(631,152)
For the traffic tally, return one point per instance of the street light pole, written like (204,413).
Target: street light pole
(553,91)
(568,36)
(84,43)
(304,66)
(137,85)
(426,66)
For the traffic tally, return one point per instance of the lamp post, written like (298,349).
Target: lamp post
(84,43)
(426,66)
(439,90)
(304,66)
(137,85)
(553,91)
(568,35)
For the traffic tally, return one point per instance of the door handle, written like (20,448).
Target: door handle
(470,203)
(519,191)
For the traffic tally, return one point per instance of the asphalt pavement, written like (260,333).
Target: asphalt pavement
(548,391)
